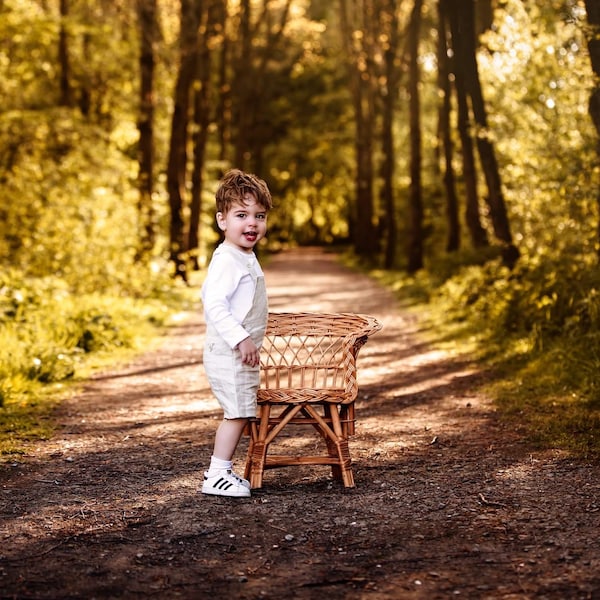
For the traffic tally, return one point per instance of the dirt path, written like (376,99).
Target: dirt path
(448,503)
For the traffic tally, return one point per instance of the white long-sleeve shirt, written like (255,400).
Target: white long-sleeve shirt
(228,291)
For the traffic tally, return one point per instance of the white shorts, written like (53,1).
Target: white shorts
(233,383)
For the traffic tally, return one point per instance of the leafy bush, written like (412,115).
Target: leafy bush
(541,323)
(538,326)
(50,336)
(46,331)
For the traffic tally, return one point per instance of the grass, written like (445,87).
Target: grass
(546,385)
(51,345)
(544,396)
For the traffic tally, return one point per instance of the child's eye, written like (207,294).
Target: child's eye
(261,216)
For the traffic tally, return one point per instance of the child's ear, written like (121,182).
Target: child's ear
(221,221)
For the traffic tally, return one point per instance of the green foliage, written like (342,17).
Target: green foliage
(68,202)
(537,328)
(71,287)
(554,397)
(311,169)
(27,55)
(538,78)
(52,338)
(46,332)
(72,292)
(539,324)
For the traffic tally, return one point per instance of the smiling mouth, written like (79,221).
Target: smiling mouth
(251,235)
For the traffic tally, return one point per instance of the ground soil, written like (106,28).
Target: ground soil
(449,501)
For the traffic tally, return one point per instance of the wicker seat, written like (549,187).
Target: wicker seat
(308,377)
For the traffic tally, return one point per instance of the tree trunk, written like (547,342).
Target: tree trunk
(462,16)
(453,240)
(477,232)
(86,85)
(176,165)
(389,156)
(201,122)
(147,26)
(223,112)
(244,89)
(469,171)
(255,63)
(362,227)
(415,234)
(274,24)
(66,92)
(593,16)
(364,236)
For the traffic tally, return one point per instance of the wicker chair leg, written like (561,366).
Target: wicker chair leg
(252,431)
(331,442)
(331,430)
(341,446)
(333,452)
(255,464)
(258,446)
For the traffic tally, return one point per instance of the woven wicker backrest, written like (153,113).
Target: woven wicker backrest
(312,356)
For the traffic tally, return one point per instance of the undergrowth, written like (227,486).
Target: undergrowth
(536,327)
(51,339)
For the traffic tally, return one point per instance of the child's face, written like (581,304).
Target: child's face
(244,224)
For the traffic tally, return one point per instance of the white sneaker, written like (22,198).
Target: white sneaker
(240,479)
(243,481)
(226,483)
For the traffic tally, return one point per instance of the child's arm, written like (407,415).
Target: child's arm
(224,279)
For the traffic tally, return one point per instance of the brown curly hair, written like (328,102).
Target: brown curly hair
(235,184)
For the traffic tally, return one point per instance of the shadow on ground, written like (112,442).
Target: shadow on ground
(449,501)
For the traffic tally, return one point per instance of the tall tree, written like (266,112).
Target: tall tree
(259,55)
(477,232)
(415,233)
(462,25)
(390,25)
(445,134)
(243,102)
(593,16)
(66,92)
(223,104)
(147,23)
(356,19)
(209,29)
(177,161)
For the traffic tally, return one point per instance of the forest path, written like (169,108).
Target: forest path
(449,502)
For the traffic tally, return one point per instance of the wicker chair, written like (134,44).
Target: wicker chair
(308,377)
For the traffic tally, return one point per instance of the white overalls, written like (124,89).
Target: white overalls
(233,383)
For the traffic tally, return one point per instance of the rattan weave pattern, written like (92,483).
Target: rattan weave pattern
(308,377)
(311,357)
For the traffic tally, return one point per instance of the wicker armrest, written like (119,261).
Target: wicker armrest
(286,395)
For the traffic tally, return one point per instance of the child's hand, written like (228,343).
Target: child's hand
(249,352)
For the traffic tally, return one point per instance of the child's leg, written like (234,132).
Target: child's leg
(220,479)
(227,438)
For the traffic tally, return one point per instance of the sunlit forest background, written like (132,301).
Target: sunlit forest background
(449,147)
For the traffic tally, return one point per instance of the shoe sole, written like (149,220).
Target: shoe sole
(231,494)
